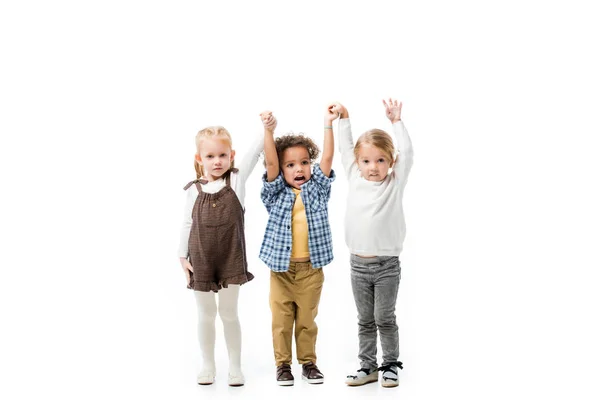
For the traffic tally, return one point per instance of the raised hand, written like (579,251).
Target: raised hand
(268,120)
(333,111)
(393,108)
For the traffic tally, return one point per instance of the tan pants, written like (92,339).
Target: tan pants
(294,297)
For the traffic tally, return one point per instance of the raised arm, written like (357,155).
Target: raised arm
(404,159)
(331,113)
(271,159)
(251,157)
(345,143)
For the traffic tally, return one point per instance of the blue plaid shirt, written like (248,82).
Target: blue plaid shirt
(279,199)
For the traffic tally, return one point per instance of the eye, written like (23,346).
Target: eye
(365,161)
(223,155)
(304,162)
(209,156)
(290,165)
(381,160)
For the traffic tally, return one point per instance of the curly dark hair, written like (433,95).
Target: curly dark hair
(292,140)
(284,142)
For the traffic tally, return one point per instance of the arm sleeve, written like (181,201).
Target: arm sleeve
(320,188)
(250,159)
(271,190)
(186,226)
(404,160)
(346,145)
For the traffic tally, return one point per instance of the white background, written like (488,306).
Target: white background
(100,102)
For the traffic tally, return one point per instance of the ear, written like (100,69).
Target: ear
(232,155)
(198,159)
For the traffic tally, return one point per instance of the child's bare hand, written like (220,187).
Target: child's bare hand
(268,120)
(333,111)
(187,269)
(393,108)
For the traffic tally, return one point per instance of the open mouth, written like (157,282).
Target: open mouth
(299,178)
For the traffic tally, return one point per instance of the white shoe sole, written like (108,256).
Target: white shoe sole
(313,381)
(285,383)
(388,384)
(363,381)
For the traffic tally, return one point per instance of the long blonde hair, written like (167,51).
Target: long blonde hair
(212,132)
(379,139)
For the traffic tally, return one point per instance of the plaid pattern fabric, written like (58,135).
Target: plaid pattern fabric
(279,199)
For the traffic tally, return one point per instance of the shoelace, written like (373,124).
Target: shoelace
(365,370)
(388,368)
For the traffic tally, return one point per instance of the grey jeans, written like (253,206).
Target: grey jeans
(375,284)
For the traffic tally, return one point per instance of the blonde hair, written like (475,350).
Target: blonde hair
(379,139)
(211,132)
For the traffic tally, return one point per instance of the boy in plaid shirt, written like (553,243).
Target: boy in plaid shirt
(297,241)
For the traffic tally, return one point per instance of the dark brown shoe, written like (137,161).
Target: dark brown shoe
(284,375)
(311,373)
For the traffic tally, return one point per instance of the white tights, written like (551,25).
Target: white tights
(228,311)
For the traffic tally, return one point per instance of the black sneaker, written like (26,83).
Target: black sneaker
(284,375)
(311,373)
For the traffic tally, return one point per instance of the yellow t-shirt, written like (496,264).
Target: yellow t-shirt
(299,228)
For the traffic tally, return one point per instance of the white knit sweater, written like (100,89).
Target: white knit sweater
(374,221)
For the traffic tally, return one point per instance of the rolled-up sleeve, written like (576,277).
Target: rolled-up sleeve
(270,190)
(319,187)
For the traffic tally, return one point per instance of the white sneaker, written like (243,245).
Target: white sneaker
(389,378)
(236,380)
(206,377)
(362,377)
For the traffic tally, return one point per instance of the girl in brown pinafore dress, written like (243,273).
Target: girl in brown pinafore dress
(217,249)
(212,246)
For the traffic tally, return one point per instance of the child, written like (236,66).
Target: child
(212,247)
(375,231)
(297,242)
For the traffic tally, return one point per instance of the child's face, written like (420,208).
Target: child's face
(295,164)
(372,163)
(215,157)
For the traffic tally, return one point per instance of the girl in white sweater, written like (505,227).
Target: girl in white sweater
(375,230)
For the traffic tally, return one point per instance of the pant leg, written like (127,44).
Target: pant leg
(283,311)
(308,286)
(364,298)
(228,311)
(386,293)
(207,313)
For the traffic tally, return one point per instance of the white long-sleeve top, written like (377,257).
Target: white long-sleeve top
(374,221)
(238,184)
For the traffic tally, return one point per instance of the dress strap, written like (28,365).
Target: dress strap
(197,182)
(204,181)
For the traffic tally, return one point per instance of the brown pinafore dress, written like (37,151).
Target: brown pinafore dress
(217,245)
